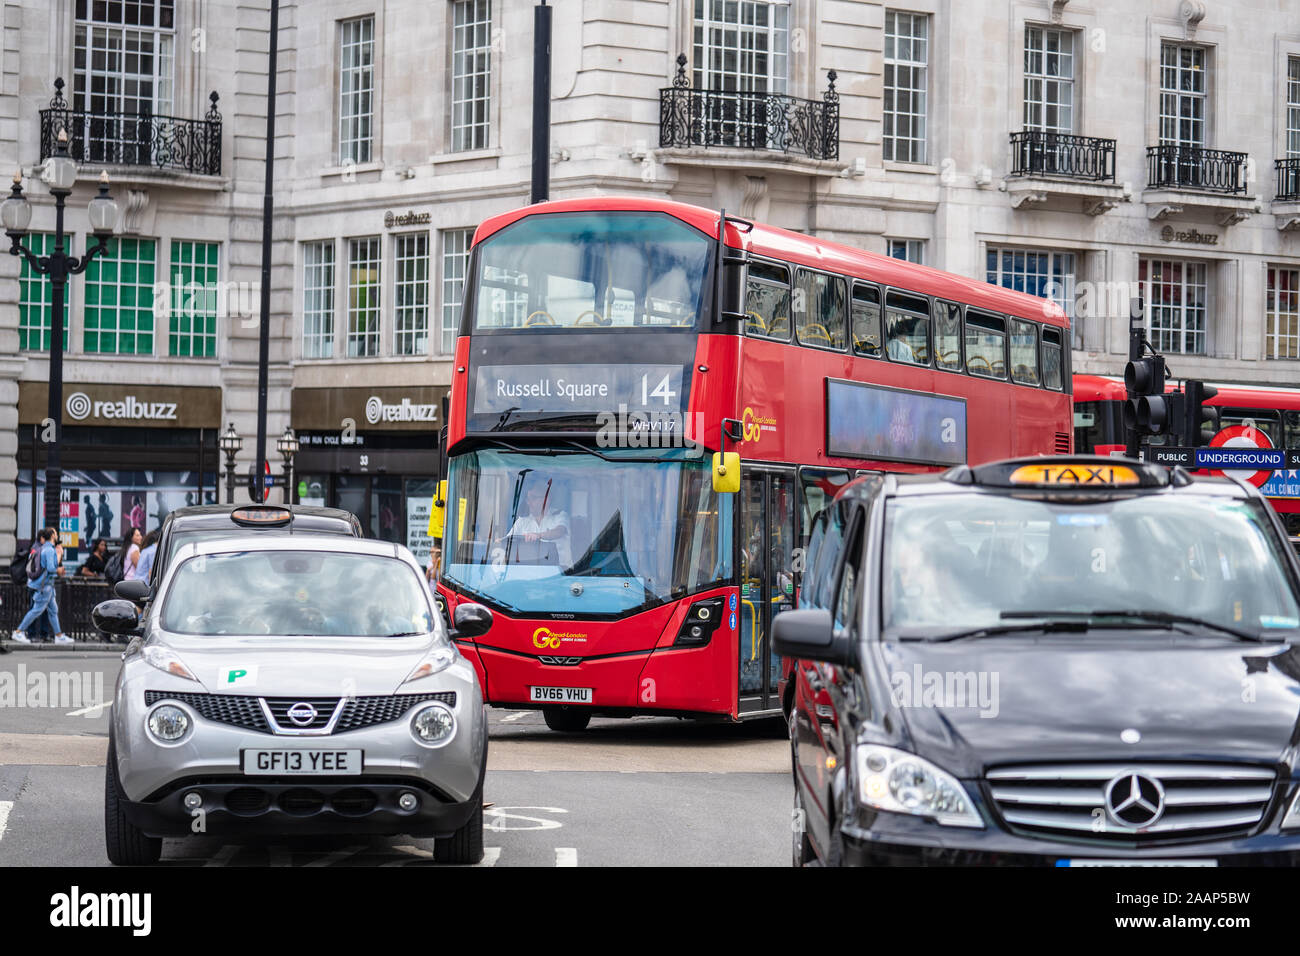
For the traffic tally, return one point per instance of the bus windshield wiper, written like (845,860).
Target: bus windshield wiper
(1164,618)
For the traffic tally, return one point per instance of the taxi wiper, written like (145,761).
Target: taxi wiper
(1165,618)
(993,630)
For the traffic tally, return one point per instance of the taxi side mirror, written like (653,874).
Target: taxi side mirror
(726,472)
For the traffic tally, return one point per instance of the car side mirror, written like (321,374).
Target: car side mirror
(809,634)
(117,616)
(472,620)
(134,590)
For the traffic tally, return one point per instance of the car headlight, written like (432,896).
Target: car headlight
(901,782)
(165,659)
(168,723)
(433,725)
(438,659)
(1292,819)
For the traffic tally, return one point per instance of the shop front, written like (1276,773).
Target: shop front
(374,452)
(130,453)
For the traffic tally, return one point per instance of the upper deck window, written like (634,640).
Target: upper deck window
(767,301)
(819,309)
(907,327)
(592,271)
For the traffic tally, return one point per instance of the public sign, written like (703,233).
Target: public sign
(1243,445)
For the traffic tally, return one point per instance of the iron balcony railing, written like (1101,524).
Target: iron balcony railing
(1194,167)
(123,139)
(1037,152)
(1288,179)
(749,120)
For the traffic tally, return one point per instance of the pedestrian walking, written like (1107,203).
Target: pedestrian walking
(46,568)
(131,559)
(147,549)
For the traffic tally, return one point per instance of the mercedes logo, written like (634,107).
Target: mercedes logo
(1135,800)
(302,714)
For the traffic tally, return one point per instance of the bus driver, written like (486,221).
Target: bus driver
(542,523)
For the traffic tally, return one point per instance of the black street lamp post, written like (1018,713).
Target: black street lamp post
(287,445)
(60,174)
(230,443)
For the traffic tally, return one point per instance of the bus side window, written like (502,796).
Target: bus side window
(947,335)
(866,320)
(1052,356)
(907,328)
(767,301)
(819,310)
(1024,352)
(985,342)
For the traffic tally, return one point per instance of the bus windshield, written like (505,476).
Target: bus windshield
(591,271)
(569,530)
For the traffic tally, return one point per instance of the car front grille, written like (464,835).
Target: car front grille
(233,709)
(246,711)
(361,712)
(1190,801)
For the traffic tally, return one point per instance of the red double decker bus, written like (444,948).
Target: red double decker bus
(1099,427)
(608,348)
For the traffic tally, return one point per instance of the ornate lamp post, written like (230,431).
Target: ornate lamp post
(60,174)
(230,443)
(287,446)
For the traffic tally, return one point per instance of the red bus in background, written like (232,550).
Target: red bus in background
(606,346)
(1099,426)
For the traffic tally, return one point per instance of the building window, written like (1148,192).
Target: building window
(356,89)
(909,250)
(36,297)
(1293,107)
(411,294)
(1282,314)
(318,299)
(1049,80)
(471,74)
(119,299)
(1183,95)
(455,263)
(1041,272)
(1176,315)
(363,297)
(741,45)
(906,58)
(123,63)
(195,284)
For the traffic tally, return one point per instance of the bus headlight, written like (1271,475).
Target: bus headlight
(168,723)
(434,725)
(901,782)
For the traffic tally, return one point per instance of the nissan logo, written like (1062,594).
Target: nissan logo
(302,714)
(1135,800)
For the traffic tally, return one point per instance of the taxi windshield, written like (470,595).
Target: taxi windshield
(296,593)
(960,562)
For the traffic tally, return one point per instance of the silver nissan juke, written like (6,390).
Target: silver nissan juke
(289,685)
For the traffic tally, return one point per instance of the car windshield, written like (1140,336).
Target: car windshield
(959,562)
(591,271)
(571,531)
(296,593)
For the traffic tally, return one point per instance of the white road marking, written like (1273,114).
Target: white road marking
(335,856)
(499,815)
(566,856)
(490,856)
(515,716)
(94,710)
(224,856)
(5,807)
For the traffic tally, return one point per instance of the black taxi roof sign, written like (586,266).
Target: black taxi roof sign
(261,515)
(1068,473)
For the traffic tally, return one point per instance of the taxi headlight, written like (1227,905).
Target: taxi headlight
(901,782)
(434,725)
(1292,819)
(168,723)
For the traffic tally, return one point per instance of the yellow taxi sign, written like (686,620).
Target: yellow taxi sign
(1094,475)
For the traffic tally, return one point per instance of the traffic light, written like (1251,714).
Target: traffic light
(1149,411)
(1201,420)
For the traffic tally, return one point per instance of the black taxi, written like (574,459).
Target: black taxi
(1053,661)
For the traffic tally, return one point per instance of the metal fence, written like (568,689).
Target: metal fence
(749,120)
(1288,179)
(1192,167)
(1043,153)
(76,599)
